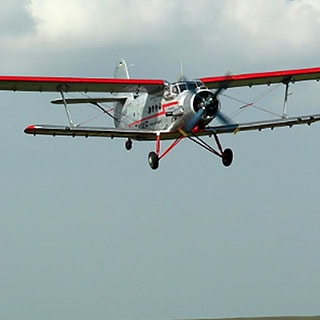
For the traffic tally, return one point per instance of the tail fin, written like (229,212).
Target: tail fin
(121,70)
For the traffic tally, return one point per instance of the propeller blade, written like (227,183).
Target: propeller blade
(223,118)
(194,120)
(223,85)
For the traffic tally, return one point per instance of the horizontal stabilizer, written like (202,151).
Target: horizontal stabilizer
(122,100)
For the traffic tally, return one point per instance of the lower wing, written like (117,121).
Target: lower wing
(260,125)
(145,134)
(135,134)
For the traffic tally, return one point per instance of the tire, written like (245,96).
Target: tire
(227,157)
(128,144)
(153,160)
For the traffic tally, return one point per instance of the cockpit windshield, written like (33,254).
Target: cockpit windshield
(181,86)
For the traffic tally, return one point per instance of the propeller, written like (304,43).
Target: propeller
(223,118)
(223,85)
(206,105)
(195,119)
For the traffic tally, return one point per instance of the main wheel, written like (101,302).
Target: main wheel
(227,157)
(128,144)
(153,160)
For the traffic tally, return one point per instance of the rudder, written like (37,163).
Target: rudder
(121,71)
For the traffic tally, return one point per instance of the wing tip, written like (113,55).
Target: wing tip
(30,129)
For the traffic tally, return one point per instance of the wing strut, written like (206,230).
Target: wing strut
(285,102)
(105,111)
(71,124)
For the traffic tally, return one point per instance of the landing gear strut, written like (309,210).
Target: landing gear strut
(226,155)
(154,157)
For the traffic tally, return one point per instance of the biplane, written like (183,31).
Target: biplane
(156,110)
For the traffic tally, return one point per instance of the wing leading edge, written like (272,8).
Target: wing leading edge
(252,79)
(65,84)
(73,84)
(52,130)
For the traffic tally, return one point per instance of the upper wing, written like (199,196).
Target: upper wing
(65,84)
(251,79)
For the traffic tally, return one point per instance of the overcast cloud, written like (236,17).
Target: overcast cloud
(233,28)
(259,27)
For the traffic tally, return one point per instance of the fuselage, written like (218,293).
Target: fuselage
(181,105)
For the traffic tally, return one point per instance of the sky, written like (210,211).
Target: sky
(88,230)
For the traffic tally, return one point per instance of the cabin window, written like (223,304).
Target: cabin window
(192,86)
(182,87)
(175,89)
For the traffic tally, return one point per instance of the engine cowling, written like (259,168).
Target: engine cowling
(198,106)
(208,102)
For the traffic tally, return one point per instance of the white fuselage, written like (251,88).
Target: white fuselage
(164,111)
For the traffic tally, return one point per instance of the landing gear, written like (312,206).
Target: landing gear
(154,157)
(153,160)
(128,144)
(227,157)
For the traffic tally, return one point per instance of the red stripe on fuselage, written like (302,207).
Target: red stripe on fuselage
(166,105)
(161,113)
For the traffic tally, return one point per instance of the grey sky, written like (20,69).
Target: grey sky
(87,230)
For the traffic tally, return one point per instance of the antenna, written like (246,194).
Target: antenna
(181,76)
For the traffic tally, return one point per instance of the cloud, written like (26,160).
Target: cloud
(274,26)
(15,20)
(81,23)
(258,32)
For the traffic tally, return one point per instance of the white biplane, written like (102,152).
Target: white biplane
(150,109)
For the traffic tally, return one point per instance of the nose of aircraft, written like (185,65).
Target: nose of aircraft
(205,106)
(208,102)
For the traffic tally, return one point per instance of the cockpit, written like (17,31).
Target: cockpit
(179,87)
